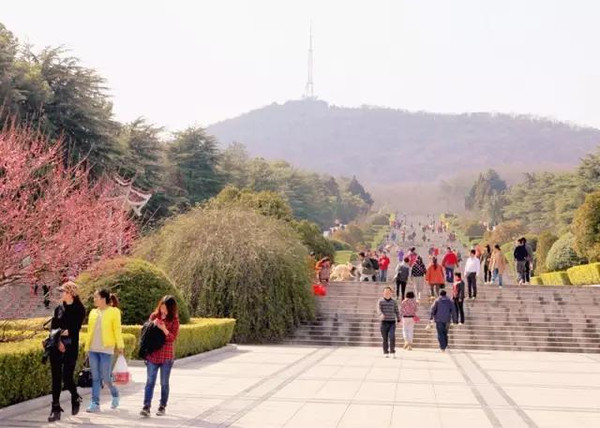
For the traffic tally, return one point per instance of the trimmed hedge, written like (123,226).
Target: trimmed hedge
(555,278)
(200,335)
(585,274)
(23,376)
(537,280)
(138,284)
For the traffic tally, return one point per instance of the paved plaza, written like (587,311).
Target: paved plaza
(285,386)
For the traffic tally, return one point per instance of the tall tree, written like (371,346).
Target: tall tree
(193,158)
(52,218)
(355,188)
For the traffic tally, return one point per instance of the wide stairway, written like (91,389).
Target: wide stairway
(526,318)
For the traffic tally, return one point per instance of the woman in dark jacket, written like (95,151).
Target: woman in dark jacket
(68,316)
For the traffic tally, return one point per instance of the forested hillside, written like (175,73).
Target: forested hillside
(380,144)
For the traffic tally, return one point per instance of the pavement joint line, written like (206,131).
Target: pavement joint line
(273,391)
(484,404)
(242,394)
(526,418)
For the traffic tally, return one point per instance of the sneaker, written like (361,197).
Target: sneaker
(461,323)
(145,412)
(114,402)
(394,355)
(410,346)
(500,287)
(93,408)
(386,355)
(161,411)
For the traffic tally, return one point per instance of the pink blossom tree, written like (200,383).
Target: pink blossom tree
(53,219)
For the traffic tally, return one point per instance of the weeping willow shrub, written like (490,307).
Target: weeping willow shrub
(237,263)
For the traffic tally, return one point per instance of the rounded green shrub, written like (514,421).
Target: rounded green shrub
(380,219)
(562,254)
(475,228)
(139,285)
(341,245)
(545,241)
(238,264)
(313,238)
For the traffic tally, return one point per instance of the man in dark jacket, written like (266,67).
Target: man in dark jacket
(389,314)
(401,277)
(521,255)
(443,312)
(458,296)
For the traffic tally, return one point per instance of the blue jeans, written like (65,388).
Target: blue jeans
(449,275)
(152,372)
(383,275)
(442,332)
(495,275)
(100,366)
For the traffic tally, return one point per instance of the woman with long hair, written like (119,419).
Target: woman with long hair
(104,335)
(166,318)
(68,316)
(435,277)
(417,275)
(486,260)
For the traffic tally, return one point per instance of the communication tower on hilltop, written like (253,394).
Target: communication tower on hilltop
(308,89)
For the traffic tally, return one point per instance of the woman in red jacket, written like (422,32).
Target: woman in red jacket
(435,278)
(165,317)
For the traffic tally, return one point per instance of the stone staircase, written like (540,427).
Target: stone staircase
(562,319)
(16,301)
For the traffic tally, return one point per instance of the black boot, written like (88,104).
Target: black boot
(75,404)
(55,413)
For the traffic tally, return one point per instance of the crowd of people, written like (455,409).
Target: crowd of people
(448,285)
(104,339)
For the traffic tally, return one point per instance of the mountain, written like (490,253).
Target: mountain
(382,145)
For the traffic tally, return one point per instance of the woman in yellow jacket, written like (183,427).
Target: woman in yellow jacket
(104,335)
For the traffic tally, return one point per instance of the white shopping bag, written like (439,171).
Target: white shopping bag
(121,375)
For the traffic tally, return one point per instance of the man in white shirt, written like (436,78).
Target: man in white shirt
(471,272)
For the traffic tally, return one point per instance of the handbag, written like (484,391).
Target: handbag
(84,378)
(416,319)
(319,290)
(120,372)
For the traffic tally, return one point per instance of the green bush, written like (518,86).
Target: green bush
(237,264)
(23,376)
(380,220)
(313,239)
(537,280)
(352,234)
(139,285)
(32,324)
(555,278)
(545,241)
(474,228)
(562,254)
(200,335)
(585,274)
(341,245)
(586,228)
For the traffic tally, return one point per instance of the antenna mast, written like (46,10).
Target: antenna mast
(308,89)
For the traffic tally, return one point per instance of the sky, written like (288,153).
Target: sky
(180,63)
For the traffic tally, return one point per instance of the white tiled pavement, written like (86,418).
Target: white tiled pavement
(286,386)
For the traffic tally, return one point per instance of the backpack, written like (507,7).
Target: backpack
(375,264)
(151,339)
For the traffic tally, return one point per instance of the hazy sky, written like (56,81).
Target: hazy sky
(198,62)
